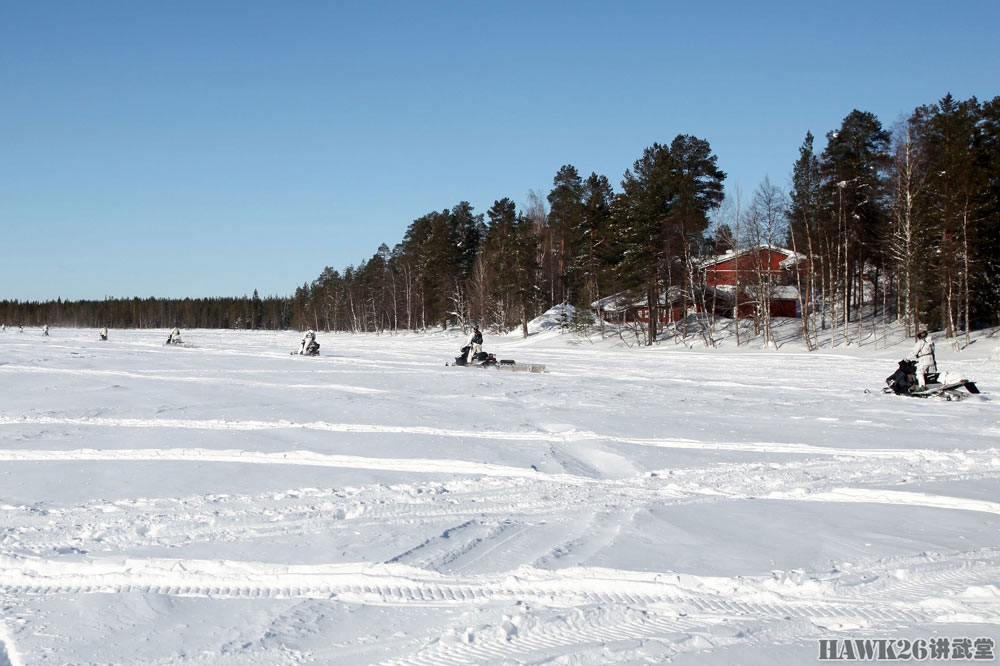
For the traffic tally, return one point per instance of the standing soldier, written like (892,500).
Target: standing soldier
(475,344)
(923,352)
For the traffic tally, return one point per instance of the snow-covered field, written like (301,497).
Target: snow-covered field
(228,503)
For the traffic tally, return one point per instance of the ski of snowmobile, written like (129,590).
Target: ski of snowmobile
(947,391)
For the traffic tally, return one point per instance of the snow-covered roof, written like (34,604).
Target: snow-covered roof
(624,300)
(792,257)
(775,291)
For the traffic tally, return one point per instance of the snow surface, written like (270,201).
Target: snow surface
(228,503)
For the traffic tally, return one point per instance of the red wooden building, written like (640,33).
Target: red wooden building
(722,274)
(747,269)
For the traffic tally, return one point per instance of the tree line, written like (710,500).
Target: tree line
(911,215)
(897,223)
(502,268)
(240,313)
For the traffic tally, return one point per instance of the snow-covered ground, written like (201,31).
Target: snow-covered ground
(227,503)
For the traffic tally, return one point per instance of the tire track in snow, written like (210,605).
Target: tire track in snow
(103,526)
(592,606)
(462,467)
(188,379)
(393,584)
(478,492)
(568,436)
(882,496)
(908,578)
(850,607)
(564,636)
(301,458)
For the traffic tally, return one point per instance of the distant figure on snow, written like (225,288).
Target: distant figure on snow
(104,333)
(45,330)
(309,345)
(20,329)
(175,337)
(475,344)
(923,353)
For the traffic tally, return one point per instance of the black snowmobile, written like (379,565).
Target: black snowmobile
(312,349)
(904,382)
(486,360)
(482,359)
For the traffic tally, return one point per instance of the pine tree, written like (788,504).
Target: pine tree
(854,166)
(804,230)
(499,253)
(512,248)
(592,254)
(953,186)
(669,195)
(565,215)
(639,215)
(985,283)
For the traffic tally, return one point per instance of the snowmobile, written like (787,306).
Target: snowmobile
(174,340)
(482,359)
(312,349)
(904,382)
(486,360)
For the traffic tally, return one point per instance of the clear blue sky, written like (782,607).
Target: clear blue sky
(208,148)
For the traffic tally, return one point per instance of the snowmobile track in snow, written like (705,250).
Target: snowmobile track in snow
(570,435)
(604,605)
(481,492)
(386,584)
